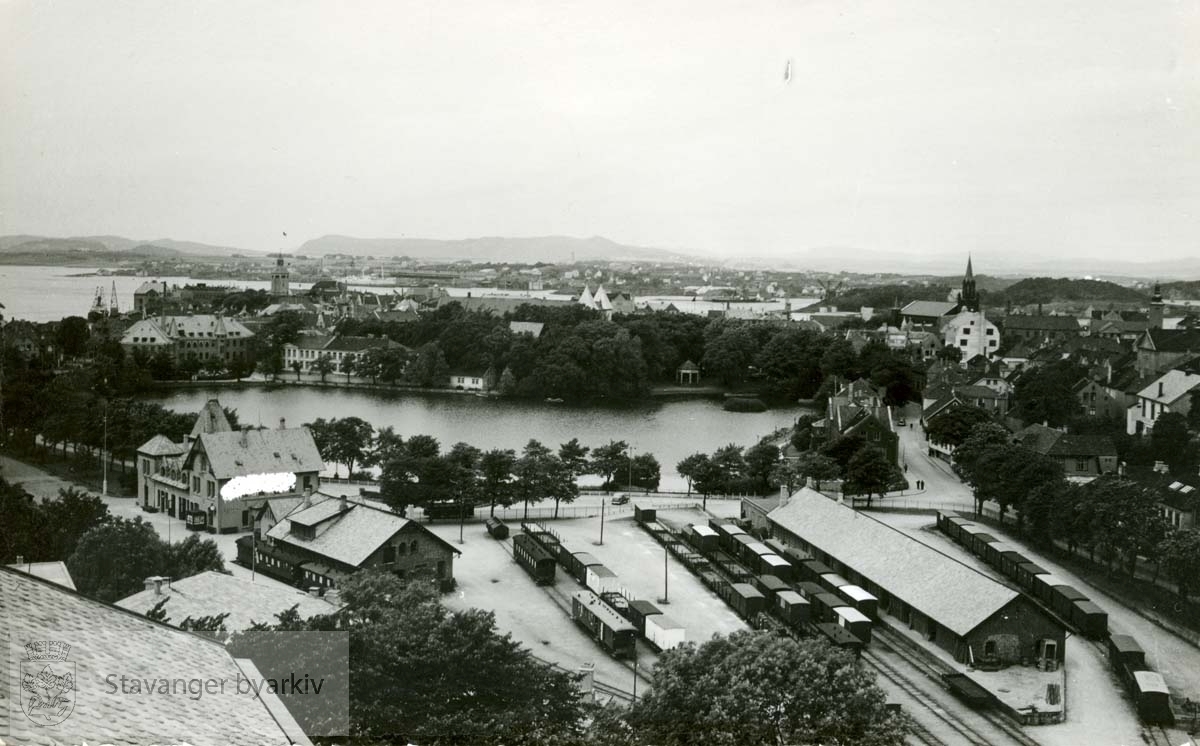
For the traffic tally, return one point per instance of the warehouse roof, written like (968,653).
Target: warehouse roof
(102,641)
(949,592)
(928,308)
(245,452)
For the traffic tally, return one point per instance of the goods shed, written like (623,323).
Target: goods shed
(953,605)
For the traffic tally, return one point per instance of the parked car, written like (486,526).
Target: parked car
(620,499)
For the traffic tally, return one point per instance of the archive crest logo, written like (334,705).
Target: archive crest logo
(47,682)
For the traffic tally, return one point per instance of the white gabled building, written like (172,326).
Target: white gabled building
(1171,392)
(204,337)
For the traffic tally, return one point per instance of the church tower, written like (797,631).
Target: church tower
(280,281)
(1156,308)
(969,297)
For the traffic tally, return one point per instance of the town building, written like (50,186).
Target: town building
(54,572)
(207,338)
(1038,331)
(468,380)
(281,285)
(218,478)
(858,409)
(323,541)
(964,612)
(337,348)
(969,330)
(1179,504)
(1170,392)
(1081,456)
(1160,349)
(96,642)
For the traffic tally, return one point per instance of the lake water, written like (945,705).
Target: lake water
(670,430)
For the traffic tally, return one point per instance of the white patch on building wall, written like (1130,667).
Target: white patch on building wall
(256,484)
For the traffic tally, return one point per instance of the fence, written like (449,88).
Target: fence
(519,513)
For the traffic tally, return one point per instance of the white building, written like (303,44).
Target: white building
(1170,393)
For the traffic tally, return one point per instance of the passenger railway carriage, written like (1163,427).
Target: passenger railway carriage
(532,556)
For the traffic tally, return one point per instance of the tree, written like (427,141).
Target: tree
(818,468)
(730,466)
(1046,393)
(729,354)
(646,472)
(1180,553)
(192,556)
(423,674)
(430,368)
(952,426)
(214,623)
(496,469)
(322,434)
(72,336)
(348,365)
(68,518)
(532,472)
(786,474)
(761,460)
(607,460)
(297,367)
(575,456)
(1193,416)
(508,382)
(870,473)
(802,433)
(350,441)
(843,448)
(323,365)
(1171,444)
(760,688)
(690,466)
(982,438)
(113,559)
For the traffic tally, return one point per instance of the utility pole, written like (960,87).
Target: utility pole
(666,597)
(104,452)
(462,517)
(630,483)
(601,542)
(635,672)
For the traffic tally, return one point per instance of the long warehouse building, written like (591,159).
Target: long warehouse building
(973,617)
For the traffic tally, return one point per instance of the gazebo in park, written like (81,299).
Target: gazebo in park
(688,374)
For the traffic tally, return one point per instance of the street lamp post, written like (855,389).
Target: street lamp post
(630,482)
(104,453)
(666,597)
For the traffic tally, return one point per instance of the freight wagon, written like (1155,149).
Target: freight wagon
(637,612)
(823,605)
(705,538)
(496,528)
(727,531)
(614,633)
(808,589)
(861,600)
(663,632)
(1063,598)
(534,558)
(601,580)
(839,637)
(811,569)
(1010,560)
(769,586)
(644,515)
(745,599)
(1124,654)
(773,564)
(753,553)
(854,621)
(576,564)
(1151,697)
(1026,574)
(792,608)
(1091,620)
(831,581)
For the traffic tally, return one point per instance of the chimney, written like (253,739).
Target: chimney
(20,559)
(333,596)
(343,506)
(307,497)
(154,583)
(283,423)
(314,591)
(1160,388)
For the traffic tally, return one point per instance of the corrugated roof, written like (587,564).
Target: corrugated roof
(939,586)
(928,308)
(264,452)
(105,641)
(211,593)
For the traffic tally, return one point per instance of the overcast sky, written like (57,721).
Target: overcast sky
(940,126)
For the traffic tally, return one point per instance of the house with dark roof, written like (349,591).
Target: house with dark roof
(1081,456)
(1096,399)
(98,644)
(1041,330)
(323,541)
(337,348)
(208,338)
(972,617)
(928,313)
(1161,349)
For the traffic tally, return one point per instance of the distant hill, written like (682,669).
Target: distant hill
(18,248)
(492,248)
(1056,290)
(1189,290)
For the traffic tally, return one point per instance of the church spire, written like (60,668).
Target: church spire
(969,298)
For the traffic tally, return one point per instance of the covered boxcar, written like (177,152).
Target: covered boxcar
(823,605)
(1125,654)
(638,610)
(831,581)
(991,553)
(613,631)
(496,528)
(663,632)
(752,554)
(1026,574)
(954,526)
(811,569)
(808,588)
(577,563)
(854,621)
(1152,698)
(778,547)
(746,600)
(728,533)
(861,600)
(534,558)
(773,564)
(704,538)
(1063,598)
(1091,620)
(644,515)
(769,586)
(600,579)
(792,608)
(839,637)
(1010,560)
(1044,585)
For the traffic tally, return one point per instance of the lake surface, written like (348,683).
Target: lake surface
(670,430)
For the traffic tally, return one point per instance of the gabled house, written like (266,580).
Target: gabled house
(1042,330)
(1170,392)
(1179,504)
(208,338)
(1096,399)
(1082,456)
(320,543)
(986,398)
(1160,349)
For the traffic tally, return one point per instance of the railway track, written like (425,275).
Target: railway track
(563,601)
(914,690)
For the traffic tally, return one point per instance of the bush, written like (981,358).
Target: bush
(744,404)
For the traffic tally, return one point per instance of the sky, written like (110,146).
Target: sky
(764,129)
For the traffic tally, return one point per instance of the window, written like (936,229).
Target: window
(412,547)
(966,330)
(962,343)
(195,484)
(212,489)
(990,331)
(1081,464)
(389,555)
(403,549)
